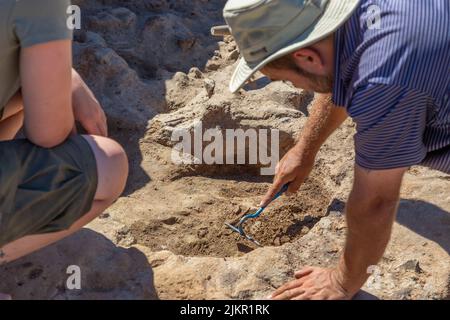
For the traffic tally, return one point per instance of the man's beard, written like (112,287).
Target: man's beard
(319,84)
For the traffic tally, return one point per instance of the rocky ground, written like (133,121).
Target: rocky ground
(155,68)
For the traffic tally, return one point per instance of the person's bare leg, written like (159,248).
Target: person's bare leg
(109,156)
(112,167)
(10,124)
(12,119)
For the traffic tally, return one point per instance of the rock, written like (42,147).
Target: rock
(233,56)
(195,73)
(325,223)
(305,229)
(237,210)
(107,271)
(210,85)
(411,265)
(95,38)
(212,65)
(186,43)
(202,233)
(277,241)
(181,79)
(249,278)
(170,221)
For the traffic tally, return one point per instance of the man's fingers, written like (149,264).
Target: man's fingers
(303,272)
(291,293)
(103,123)
(287,287)
(295,185)
(304,296)
(103,127)
(276,186)
(91,127)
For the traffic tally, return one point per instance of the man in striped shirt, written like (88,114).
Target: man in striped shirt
(386,64)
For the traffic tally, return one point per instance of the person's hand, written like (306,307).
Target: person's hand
(293,168)
(313,284)
(87,109)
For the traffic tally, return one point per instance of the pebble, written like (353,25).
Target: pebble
(195,73)
(202,233)
(210,85)
(233,56)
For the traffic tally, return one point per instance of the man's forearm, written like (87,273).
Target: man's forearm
(324,119)
(369,220)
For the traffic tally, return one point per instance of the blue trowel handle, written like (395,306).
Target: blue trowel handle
(260,210)
(283,190)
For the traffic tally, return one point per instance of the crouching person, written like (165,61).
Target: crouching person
(52,181)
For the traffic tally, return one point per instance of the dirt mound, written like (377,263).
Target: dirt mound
(201,232)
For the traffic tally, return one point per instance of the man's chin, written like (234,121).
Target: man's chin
(324,91)
(320,90)
(323,88)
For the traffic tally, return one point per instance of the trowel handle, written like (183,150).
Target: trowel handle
(283,190)
(260,210)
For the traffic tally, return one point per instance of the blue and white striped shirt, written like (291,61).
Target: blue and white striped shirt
(394,80)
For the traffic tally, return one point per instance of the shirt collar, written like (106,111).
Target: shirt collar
(338,95)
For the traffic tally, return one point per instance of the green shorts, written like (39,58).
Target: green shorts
(44,190)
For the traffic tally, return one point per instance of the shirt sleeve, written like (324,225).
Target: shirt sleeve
(42,21)
(390,122)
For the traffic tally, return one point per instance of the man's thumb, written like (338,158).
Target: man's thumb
(294,186)
(276,186)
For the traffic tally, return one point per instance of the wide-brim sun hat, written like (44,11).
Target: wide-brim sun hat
(266,30)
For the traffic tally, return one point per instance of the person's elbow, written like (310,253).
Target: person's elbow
(49,139)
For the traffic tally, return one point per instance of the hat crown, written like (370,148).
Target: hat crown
(261,27)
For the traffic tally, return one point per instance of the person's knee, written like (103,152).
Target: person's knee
(112,167)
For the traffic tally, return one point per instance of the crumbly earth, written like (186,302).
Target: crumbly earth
(155,68)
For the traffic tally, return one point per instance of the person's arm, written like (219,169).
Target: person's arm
(86,108)
(296,165)
(390,121)
(46,73)
(370,214)
(325,118)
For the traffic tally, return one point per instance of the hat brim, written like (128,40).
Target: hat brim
(334,16)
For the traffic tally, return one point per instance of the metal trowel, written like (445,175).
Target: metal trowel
(239,227)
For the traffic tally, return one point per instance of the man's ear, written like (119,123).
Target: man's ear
(309,60)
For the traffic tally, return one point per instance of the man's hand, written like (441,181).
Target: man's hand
(297,164)
(370,214)
(294,167)
(313,284)
(87,109)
